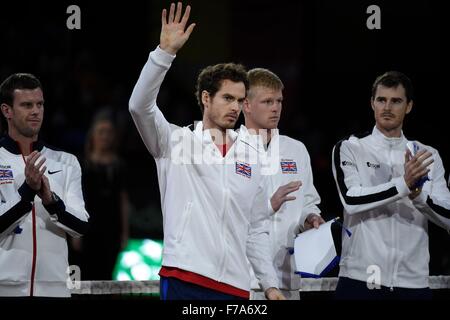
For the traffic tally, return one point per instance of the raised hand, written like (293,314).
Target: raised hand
(282,194)
(34,170)
(173,31)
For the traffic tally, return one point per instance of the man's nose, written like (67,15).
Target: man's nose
(36,108)
(388,105)
(236,105)
(275,108)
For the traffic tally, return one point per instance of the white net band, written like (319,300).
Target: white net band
(152,287)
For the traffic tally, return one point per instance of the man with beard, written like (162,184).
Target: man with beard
(213,192)
(390,188)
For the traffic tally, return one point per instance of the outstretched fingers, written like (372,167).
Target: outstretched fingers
(164,17)
(178,13)
(189,30)
(185,18)
(171,13)
(292,186)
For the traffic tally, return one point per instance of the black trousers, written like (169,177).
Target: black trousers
(349,289)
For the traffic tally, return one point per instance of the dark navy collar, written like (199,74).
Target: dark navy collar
(13,146)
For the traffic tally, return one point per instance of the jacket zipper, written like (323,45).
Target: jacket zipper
(33,266)
(33,219)
(225,205)
(398,256)
(394,242)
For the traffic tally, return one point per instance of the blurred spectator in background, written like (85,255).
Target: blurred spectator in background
(107,200)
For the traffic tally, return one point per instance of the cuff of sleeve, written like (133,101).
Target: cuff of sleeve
(401,186)
(26,192)
(161,57)
(421,199)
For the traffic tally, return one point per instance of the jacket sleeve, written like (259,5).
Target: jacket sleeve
(258,242)
(150,122)
(14,206)
(434,200)
(356,197)
(311,197)
(69,212)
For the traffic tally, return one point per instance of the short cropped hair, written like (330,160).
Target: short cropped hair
(13,82)
(392,79)
(211,78)
(17,81)
(260,77)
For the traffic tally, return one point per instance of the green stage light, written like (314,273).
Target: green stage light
(140,260)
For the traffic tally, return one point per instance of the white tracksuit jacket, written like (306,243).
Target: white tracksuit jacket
(214,208)
(389,230)
(292,162)
(33,247)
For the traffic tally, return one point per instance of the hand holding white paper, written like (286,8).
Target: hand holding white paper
(315,252)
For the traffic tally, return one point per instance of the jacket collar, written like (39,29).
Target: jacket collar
(205,135)
(384,141)
(13,146)
(256,139)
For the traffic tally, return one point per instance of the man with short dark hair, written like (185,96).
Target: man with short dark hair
(41,197)
(390,188)
(213,194)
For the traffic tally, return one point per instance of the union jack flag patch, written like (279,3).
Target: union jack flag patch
(244,169)
(288,166)
(6,174)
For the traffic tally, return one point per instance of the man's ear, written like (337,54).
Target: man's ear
(371,103)
(409,107)
(246,106)
(205,98)
(6,110)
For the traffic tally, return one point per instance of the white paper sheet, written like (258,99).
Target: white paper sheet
(314,251)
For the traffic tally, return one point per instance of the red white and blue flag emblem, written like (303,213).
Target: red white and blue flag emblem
(288,166)
(6,174)
(244,169)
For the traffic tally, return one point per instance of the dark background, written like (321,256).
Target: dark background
(322,50)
